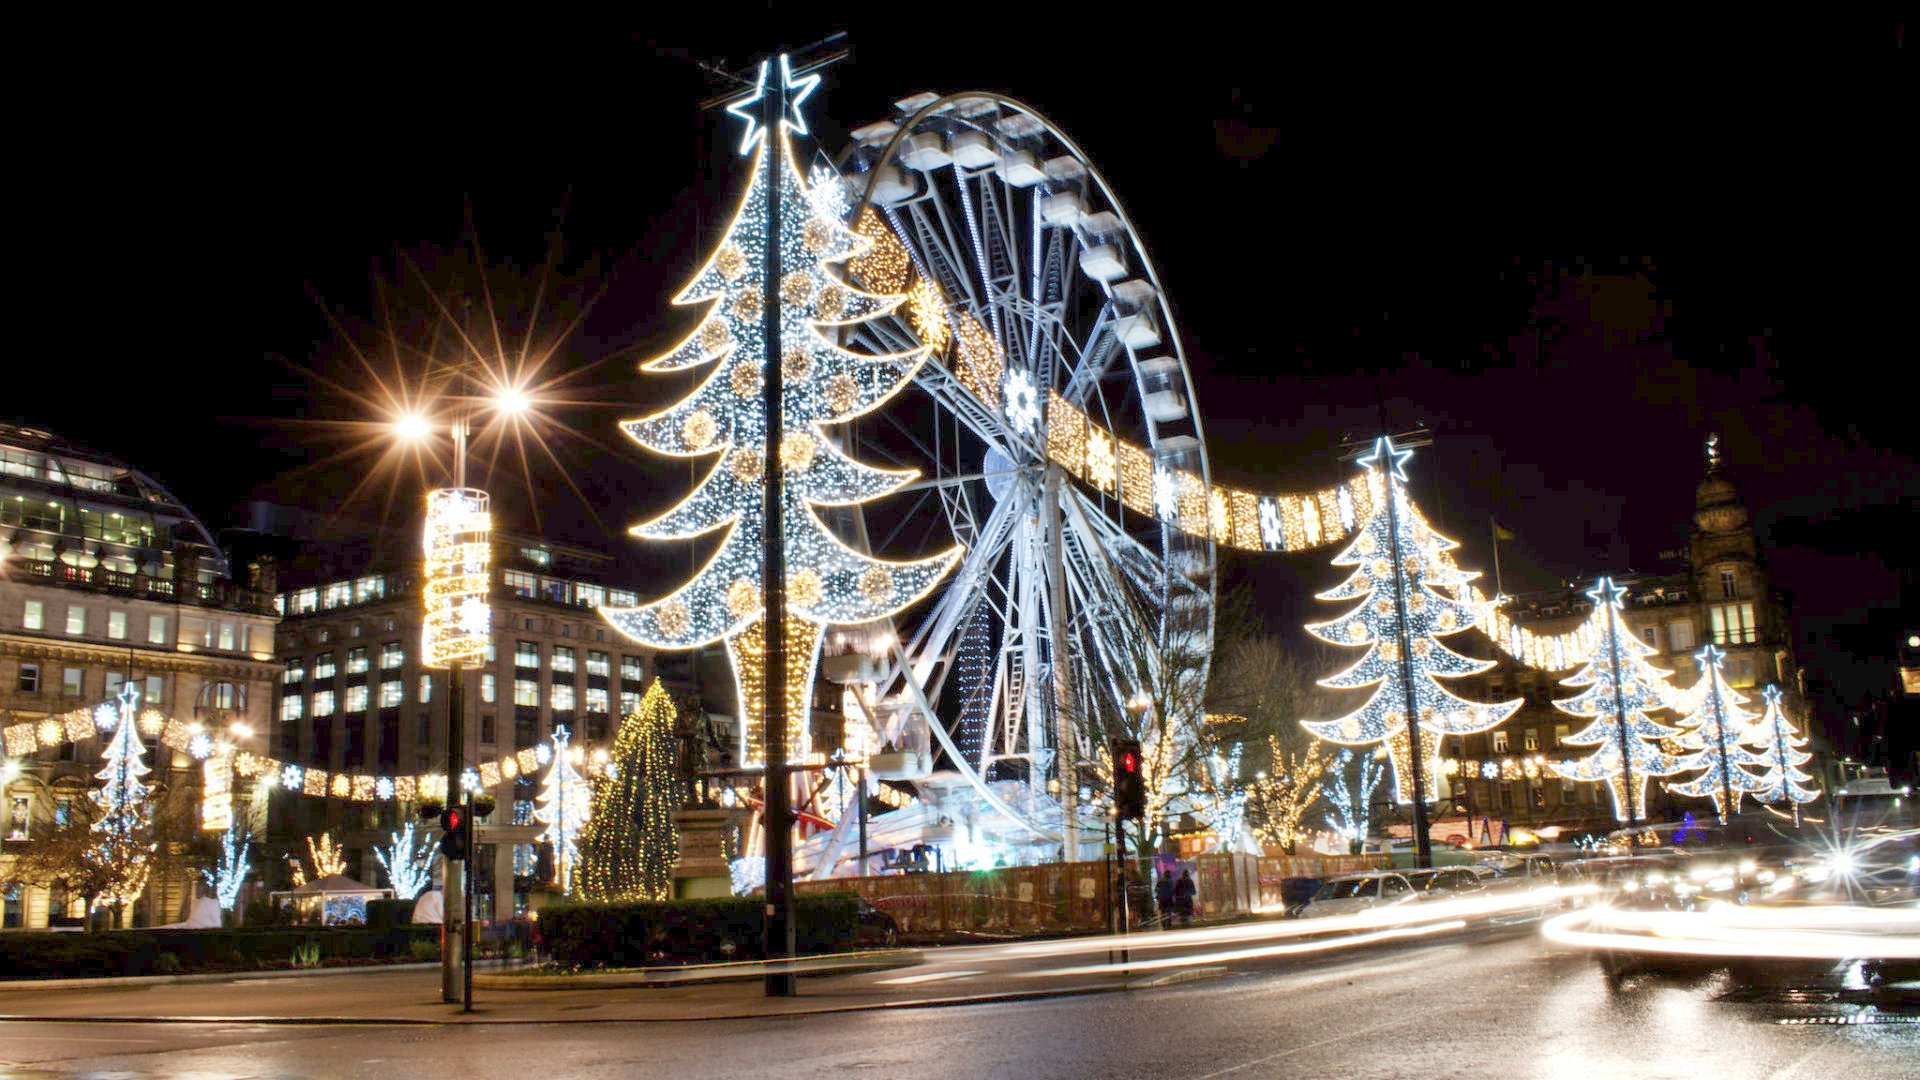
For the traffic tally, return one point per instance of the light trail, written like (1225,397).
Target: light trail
(1728,931)
(1346,941)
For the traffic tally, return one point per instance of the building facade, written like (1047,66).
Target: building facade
(106,581)
(1718,590)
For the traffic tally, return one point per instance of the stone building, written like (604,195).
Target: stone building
(1717,589)
(107,580)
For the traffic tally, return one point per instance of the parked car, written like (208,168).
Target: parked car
(1353,893)
(1443,880)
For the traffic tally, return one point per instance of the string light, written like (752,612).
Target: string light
(408,861)
(627,845)
(1631,688)
(1712,734)
(458,548)
(1783,749)
(1373,623)
(1351,802)
(566,805)
(230,872)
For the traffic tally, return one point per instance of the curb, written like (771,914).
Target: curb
(7,985)
(699,974)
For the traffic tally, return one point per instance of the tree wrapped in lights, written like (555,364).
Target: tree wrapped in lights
(1401,566)
(1284,796)
(325,857)
(123,829)
(1621,688)
(1226,809)
(827,582)
(1351,802)
(1783,749)
(566,805)
(628,847)
(408,861)
(1712,735)
(230,871)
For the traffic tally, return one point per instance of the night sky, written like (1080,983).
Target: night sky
(1322,203)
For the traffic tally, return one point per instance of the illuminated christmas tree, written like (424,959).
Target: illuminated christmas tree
(1402,662)
(1619,682)
(1783,749)
(628,847)
(828,583)
(1712,733)
(1284,795)
(124,827)
(566,806)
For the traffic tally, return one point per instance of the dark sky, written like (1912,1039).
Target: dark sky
(1325,204)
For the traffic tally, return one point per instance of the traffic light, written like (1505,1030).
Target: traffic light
(459,828)
(1129,786)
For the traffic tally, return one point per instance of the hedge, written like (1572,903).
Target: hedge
(161,952)
(643,933)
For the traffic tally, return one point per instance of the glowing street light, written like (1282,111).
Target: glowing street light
(412,427)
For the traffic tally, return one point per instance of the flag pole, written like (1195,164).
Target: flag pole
(1498,589)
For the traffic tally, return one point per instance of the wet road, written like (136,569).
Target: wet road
(1509,1006)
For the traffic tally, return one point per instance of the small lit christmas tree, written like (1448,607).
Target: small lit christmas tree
(1712,735)
(1402,662)
(566,806)
(1783,749)
(628,847)
(1618,682)
(124,827)
(828,583)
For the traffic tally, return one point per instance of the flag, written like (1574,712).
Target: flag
(1501,532)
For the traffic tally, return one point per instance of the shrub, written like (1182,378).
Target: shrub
(145,952)
(642,933)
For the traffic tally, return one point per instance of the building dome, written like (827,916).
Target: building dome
(1717,506)
(60,501)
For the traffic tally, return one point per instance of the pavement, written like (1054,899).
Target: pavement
(410,994)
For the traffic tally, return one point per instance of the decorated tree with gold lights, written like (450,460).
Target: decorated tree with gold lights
(628,847)
(1402,662)
(1712,735)
(1618,682)
(724,420)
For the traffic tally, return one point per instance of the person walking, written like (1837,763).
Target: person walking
(1183,892)
(1163,895)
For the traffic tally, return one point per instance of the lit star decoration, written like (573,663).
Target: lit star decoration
(1712,734)
(1633,686)
(230,872)
(747,108)
(828,582)
(628,845)
(1420,573)
(1783,749)
(566,804)
(408,861)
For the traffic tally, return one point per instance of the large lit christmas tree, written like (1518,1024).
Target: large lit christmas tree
(1712,735)
(1783,749)
(828,583)
(1621,688)
(628,848)
(565,808)
(1403,662)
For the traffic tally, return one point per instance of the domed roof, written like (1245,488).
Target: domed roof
(1717,505)
(37,462)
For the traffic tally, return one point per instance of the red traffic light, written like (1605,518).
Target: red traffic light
(451,819)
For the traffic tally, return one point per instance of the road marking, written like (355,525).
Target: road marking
(935,976)
(1311,1046)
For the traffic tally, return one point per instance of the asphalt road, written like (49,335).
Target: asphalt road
(1468,1006)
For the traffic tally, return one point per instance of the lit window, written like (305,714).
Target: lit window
(357,661)
(1500,742)
(623,598)
(338,594)
(369,588)
(488,687)
(117,625)
(392,693)
(1680,635)
(76,619)
(392,656)
(589,595)
(562,659)
(306,601)
(524,861)
(526,654)
(597,664)
(523,811)
(323,666)
(292,707)
(1729,590)
(295,673)
(1651,635)
(1733,624)
(226,637)
(426,689)
(156,629)
(597,700)
(629,702)
(526,692)
(519,583)
(631,669)
(356,699)
(71,681)
(156,689)
(562,697)
(322,703)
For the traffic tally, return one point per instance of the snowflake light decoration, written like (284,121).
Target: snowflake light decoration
(1023,403)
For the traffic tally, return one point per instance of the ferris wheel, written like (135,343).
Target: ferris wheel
(1056,433)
